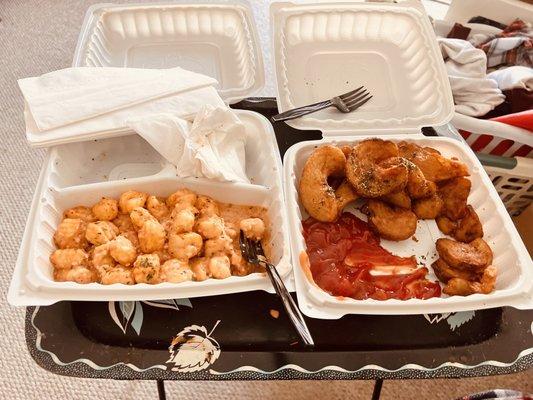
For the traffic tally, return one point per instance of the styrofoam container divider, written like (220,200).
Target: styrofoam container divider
(81,173)
(514,284)
(326,49)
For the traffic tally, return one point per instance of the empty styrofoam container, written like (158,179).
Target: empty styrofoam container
(216,37)
(326,49)
(81,173)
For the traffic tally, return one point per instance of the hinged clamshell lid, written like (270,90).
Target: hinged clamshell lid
(327,49)
(214,38)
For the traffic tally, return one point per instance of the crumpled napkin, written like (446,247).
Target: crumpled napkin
(85,100)
(474,94)
(213,146)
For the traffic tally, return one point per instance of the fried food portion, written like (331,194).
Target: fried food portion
(398,199)
(374,168)
(433,165)
(446,225)
(130,200)
(68,258)
(454,194)
(469,227)
(316,195)
(463,287)
(474,256)
(80,212)
(345,194)
(106,209)
(444,272)
(70,234)
(390,222)
(418,186)
(428,208)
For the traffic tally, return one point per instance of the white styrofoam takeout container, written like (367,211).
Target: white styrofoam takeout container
(325,49)
(83,172)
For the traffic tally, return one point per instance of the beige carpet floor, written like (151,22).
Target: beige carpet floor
(40,36)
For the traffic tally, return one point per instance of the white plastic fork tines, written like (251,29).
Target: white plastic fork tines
(345,103)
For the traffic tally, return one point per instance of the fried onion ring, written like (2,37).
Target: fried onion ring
(317,196)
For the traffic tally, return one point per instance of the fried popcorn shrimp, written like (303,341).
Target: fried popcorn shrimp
(210,227)
(70,234)
(391,223)
(206,206)
(157,207)
(151,236)
(102,256)
(239,265)
(106,209)
(130,200)
(101,232)
(117,274)
(122,251)
(219,267)
(139,216)
(316,195)
(176,271)
(218,246)
(123,223)
(181,220)
(133,237)
(80,212)
(79,274)
(184,246)
(253,228)
(375,169)
(146,269)
(199,267)
(68,258)
(182,197)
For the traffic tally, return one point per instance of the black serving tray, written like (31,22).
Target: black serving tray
(236,336)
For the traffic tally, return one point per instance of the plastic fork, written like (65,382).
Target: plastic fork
(345,103)
(252,252)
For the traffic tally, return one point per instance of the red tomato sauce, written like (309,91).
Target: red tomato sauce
(342,253)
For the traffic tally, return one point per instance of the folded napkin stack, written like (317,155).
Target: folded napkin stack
(87,103)
(82,102)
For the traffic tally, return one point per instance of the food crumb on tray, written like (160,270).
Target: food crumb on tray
(274,314)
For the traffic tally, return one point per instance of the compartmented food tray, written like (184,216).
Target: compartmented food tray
(81,173)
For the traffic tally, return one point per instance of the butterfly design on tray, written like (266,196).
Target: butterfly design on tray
(455,319)
(193,349)
(130,313)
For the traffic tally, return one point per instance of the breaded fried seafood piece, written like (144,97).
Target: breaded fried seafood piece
(316,195)
(444,272)
(433,165)
(463,287)
(398,199)
(374,168)
(389,222)
(469,227)
(454,194)
(418,186)
(428,208)
(474,256)
(446,225)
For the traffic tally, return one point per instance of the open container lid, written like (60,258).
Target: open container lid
(322,50)
(214,38)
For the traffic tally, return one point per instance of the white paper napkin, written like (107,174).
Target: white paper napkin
(213,146)
(515,77)
(80,102)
